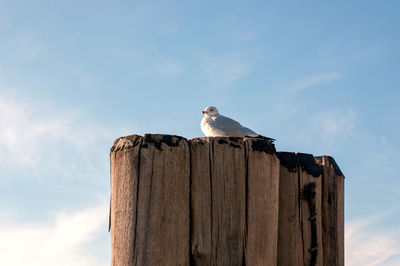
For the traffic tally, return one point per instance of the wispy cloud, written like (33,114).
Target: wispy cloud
(316,132)
(298,85)
(365,246)
(336,122)
(40,138)
(325,130)
(61,240)
(27,46)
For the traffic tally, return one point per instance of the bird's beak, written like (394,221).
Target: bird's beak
(203,112)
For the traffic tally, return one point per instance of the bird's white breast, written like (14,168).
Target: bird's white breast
(206,127)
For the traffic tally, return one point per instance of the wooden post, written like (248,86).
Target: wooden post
(332,211)
(152,226)
(290,235)
(222,201)
(223,208)
(123,207)
(263,203)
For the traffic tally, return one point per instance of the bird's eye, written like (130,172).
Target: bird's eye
(211,109)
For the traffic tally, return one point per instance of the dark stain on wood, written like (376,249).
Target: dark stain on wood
(235,139)
(213,194)
(169,140)
(307,163)
(288,159)
(262,146)
(231,139)
(222,141)
(308,192)
(236,146)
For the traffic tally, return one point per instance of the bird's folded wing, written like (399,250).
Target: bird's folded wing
(230,126)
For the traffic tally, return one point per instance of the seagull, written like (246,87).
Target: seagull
(215,125)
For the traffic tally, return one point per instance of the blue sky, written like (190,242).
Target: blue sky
(321,77)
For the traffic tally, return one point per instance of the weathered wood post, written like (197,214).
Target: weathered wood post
(150,197)
(223,201)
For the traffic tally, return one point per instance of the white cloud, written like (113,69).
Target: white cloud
(62,240)
(39,138)
(42,140)
(367,247)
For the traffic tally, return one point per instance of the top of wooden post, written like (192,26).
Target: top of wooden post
(288,159)
(223,201)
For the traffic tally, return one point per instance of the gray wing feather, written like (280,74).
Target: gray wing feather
(231,127)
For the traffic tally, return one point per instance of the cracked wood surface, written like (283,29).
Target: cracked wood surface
(221,201)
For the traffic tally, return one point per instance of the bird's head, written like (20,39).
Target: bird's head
(210,110)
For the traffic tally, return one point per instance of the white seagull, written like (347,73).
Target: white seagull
(215,125)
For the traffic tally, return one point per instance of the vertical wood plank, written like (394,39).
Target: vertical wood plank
(311,214)
(201,201)
(162,232)
(223,201)
(290,242)
(228,182)
(332,211)
(263,201)
(124,180)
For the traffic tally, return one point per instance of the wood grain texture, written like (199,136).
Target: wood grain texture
(290,239)
(310,173)
(223,201)
(124,181)
(262,205)
(163,225)
(228,183)
(228,175)
(300,220)
(201,202)
(332,211)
